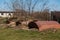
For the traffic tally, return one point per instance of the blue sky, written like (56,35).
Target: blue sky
(53,5)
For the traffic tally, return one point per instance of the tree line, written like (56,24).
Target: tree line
(27,8)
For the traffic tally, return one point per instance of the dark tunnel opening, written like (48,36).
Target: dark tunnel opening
(18,23)
(32,25)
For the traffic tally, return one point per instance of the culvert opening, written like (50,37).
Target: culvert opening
(18,23)
(33,25)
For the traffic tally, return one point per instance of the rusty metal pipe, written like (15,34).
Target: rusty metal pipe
(43,25)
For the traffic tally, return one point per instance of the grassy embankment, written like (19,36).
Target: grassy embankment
(12,34)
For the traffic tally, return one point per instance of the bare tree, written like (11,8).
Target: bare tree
(31,5)
(36,1)
(18,5)
(44,5)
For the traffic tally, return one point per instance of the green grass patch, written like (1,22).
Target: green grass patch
(11,34)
